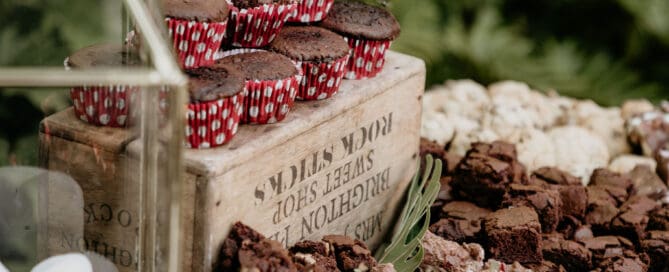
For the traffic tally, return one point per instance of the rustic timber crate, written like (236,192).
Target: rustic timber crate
(334,166)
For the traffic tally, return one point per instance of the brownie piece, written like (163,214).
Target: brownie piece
(506,152)
(352,255)
(603,247)
(200,10)
(310,43)
(514,234)
(482,179)
(574,199)
(460,222)
(629,261)
(265,256)
(633,220)
(606,177)
(571,255)
(261,65)
(314,256)
(646,182)
(360,20)
(659,219)
(656,245)
(208,84)
(239,234)
(546,202)
(547,266)
(602,209)
(640,204)
(553,175)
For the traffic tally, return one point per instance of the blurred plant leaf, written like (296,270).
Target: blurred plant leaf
(653,15)
(405,251)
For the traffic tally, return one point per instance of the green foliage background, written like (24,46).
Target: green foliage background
(607,50)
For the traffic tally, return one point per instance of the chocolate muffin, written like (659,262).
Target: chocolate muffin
(103,105)
(208,84)
(369,31)
(255,23)
(271,82)
(322,55)
(216,106)
(359,20)
(254,3)
(261,65)
(197,10)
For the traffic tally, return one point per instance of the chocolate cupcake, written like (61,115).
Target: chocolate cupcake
(216,105)
(197,28)
(108,105)
(309,11)
(369,30)
(320,53)
(271,83)
(255,23)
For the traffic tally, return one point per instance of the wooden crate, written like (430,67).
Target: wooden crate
(335,166)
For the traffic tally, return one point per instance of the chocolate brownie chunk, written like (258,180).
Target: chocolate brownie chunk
(603,247)
(103,55)
(572,255)
(482,177)
(633,220)
(547,266)
(352,255)
(209,84)
(659,219)
(197,10)
(239,234)
(547,203)
(626,262)
(553,175)
(314,256)
(460,222)
(261,65)
(646,182)
(615,195)
(602,207)
(310,43)
(265,256)
(640,204)
(574,199)
(360,20)
(606,177)
(514,234)
(656,245)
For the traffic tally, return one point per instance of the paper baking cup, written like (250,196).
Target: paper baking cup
(214,123)
(321,80)
(267,101)
(367,57)
(195,42)
(257,27)
(312,11)
(104,105)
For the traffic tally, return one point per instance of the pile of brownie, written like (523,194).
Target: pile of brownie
(549,221)
(247,250)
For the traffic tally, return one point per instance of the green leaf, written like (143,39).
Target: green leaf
(405,251)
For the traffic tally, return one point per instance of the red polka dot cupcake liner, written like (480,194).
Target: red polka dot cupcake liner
(257,27)
(108,106)
(195,42)
(321,80)
(367,58)
(310,11)
(267,101)
(214,123)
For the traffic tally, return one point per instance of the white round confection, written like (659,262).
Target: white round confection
(72,262)
(627,162)
(578,151)
(459,97)
(565,106)
(437,127)
(535,149)
(609,124)
(507,120)
(463,139)
(635,107)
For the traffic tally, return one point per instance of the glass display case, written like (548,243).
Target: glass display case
(63,186)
